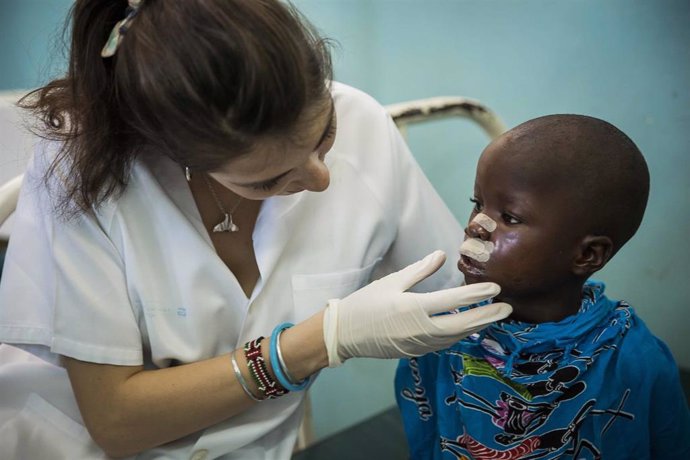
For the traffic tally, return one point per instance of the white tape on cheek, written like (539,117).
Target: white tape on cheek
(484,221)
(477,249)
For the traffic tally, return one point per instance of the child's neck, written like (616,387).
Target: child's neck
(545,307)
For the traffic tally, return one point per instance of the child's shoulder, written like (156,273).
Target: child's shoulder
(641,352)
(639,341)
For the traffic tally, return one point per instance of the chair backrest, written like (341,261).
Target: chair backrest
(9,193)
(404,114)
(436,108)
(16,146)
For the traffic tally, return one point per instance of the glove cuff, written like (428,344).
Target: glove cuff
(330,332)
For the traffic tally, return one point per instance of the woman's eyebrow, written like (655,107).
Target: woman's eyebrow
(321,139)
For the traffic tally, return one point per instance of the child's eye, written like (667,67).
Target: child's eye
(510,220)
(477,205)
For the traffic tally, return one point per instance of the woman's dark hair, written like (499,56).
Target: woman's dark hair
(197,80)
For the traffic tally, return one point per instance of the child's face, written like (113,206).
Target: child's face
(535,239)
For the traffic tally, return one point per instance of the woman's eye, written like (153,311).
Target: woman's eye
(511,220)
(477,205)
(266,186)
(321,149)
(331,131)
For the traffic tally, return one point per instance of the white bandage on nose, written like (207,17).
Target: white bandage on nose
(484,221)
(477,249)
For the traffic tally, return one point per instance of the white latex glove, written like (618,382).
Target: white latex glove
(381,320)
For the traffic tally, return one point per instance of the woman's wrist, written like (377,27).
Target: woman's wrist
(303,351)
(303,348)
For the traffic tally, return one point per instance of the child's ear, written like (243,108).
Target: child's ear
(594,253)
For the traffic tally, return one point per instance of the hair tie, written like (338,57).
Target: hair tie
(120,28)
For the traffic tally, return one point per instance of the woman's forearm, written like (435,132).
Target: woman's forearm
(128,410)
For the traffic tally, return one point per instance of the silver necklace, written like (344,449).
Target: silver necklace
(225,225)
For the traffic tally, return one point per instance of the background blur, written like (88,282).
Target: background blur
(626,61)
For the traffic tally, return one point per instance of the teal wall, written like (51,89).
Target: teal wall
(29,33)
(627,61)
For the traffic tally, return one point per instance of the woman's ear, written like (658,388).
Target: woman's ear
(594,253)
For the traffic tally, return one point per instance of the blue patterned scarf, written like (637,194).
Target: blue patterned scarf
(526,391)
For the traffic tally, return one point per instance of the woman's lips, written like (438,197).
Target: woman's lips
(470,266)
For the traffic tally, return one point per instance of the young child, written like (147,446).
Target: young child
(571,373)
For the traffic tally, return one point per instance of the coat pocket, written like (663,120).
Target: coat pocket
(311,292)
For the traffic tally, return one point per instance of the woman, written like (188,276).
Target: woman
(173,226)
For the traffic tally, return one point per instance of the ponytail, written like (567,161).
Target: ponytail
(198,81)
(79,111)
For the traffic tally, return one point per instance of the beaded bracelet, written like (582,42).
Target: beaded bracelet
(257,368)
(279,368)
(240,378)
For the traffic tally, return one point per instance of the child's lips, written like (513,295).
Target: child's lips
(470,266)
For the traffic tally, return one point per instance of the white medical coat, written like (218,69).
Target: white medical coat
(139,281)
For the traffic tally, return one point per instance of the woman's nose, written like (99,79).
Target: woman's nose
(474,230)
(315,176)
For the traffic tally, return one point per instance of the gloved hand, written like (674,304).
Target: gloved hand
(381,320)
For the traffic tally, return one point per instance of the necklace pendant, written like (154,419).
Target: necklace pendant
(227,225)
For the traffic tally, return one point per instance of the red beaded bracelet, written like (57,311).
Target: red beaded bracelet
(257,368)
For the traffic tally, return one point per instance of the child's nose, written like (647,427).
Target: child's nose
(474,230)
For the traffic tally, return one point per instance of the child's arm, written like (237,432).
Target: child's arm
(669,415)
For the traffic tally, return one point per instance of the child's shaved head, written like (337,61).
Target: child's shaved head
(602,170)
